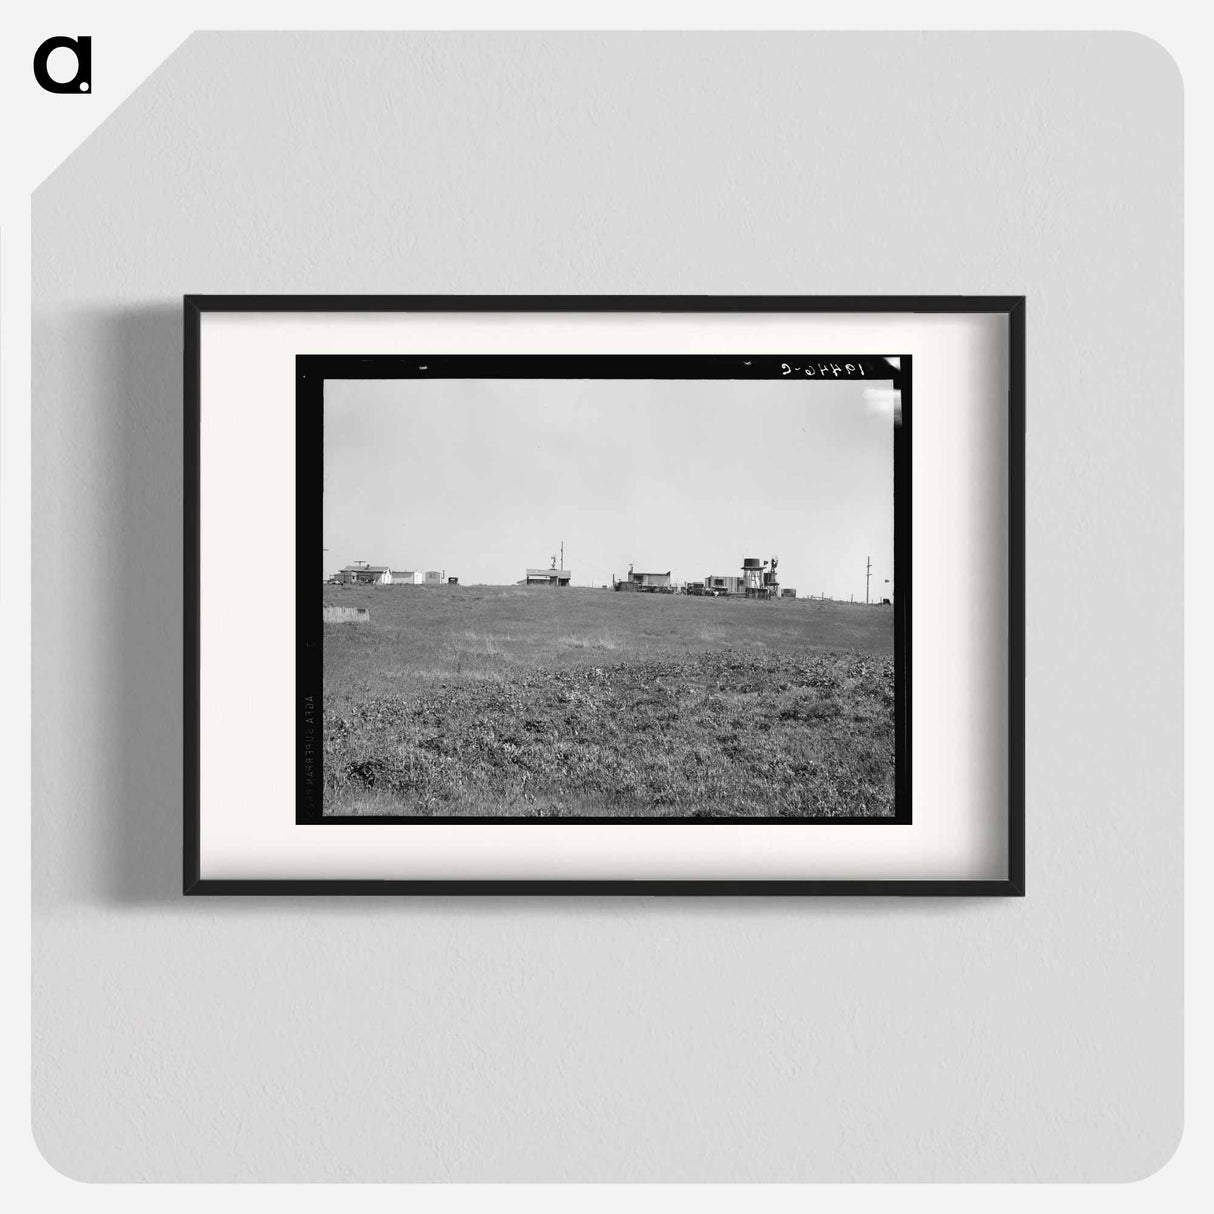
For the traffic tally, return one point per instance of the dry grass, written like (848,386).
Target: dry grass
(538,702)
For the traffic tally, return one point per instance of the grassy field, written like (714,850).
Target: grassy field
(540,702)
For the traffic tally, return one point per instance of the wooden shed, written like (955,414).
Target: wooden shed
(548,577)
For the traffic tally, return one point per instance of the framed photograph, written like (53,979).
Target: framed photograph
(686,595)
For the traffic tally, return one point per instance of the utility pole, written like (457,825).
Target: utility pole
(868,573)
(562,554)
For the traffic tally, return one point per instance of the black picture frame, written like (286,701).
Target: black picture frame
(1011,307)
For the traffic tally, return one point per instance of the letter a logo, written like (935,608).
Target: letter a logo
(82,81)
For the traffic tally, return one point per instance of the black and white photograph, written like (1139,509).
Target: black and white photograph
(611,589)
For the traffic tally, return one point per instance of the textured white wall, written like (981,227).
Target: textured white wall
(625,1039)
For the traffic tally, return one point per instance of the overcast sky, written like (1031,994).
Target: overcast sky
(484,478)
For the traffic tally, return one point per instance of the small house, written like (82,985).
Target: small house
(405,577)
(548,577)
(652,583)
(366,575)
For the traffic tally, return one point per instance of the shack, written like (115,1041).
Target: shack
(724,584)
(548,577)
(361,574)
(650,583)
